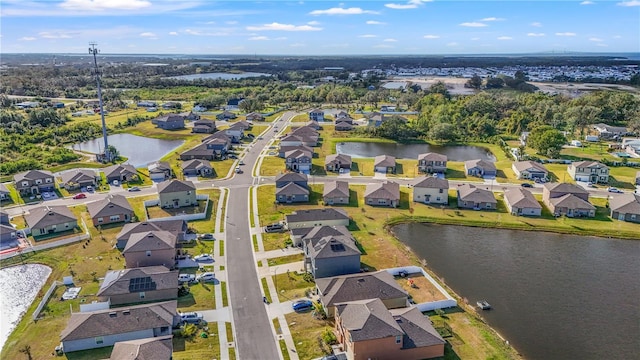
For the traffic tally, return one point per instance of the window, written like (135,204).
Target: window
(114,218)
(441,191)
(633,216)
(398,339)
(99,340)
(141,294)
(438,198)
(25,183)
(38,181)
(48,180)
(148,253)
(488,205)
(100,220)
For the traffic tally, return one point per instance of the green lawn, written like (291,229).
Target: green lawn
(306,330)
(201,297)
(271,166)
(291,285)
(198,347)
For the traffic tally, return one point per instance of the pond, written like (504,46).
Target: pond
(411,151)
(553,296)
(218,75)
(139,150)
(19,285)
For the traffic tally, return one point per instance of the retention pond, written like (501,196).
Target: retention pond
(411,151)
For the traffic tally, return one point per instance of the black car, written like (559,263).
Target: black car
(274,228)
(526,185)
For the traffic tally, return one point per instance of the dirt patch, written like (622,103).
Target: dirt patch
(420,288)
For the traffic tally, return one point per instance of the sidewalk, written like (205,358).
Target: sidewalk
(221,314)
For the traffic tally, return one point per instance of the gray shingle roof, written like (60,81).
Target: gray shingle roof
(589,164)
(336,159)
(338,188)
(78,175)
(528,164)
(385,190)
(480,163)
(4,189)
(418,329)
(625,203)
(368,320)
(379,284)
(384,160)
(196,164)
(32,175)
(318,232)
(45,216)
(432,157)
(292,189)
(111,205)
(291,177)
(152,240)
(172,226)
(565,188)
(571,201)
(170,186)
(116,282)
(119,169)
(332,246)
(158,348)
(431,182)
(317,215)
(469,192)
(159,166)
(521,198)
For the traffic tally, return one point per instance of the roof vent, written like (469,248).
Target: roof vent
(113,314)
(126,312)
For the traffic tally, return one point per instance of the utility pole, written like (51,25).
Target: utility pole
(94,51)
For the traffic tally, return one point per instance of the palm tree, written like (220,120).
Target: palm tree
(27,350)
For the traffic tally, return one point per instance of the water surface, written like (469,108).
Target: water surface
(554,296)
(411,151)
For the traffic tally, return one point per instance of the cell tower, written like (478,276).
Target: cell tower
(106,157)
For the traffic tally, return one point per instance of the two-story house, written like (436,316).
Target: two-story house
(34,182)
(431,163)
(153,248)
(235,132)
(332,256)
(431,190)
(589,171)
(173,226)
(567,199)
(292,187)
(204,127)
(177,193)
(298,160)
(316,115)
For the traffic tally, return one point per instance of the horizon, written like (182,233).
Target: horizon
(321,28)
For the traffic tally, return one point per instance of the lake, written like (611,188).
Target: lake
(218,75)
(19,285)
(411,151)
(553,296)
(138,149)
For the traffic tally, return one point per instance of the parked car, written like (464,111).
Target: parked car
(191,317)
(135,188)
(232,156)
(302,305)
(590,184)
(238,170)
(274,228)
(116,182)
(526,185)
(251,136)
(206,237)
(206,277)
(89,188)
(241,162)
(182,278)
(614,190)
(80,196)
(203,257)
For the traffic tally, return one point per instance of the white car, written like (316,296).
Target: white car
(614,190)
(182,278)
(203,257)
(206,277)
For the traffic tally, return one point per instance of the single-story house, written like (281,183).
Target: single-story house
(571,206)
(384,164)
(386,193)
(299,139)
(150,249)
(625,207)
(171,105)
(120,172)
(112,209)
(317,217)
(589,171)
(292,177)
(480,168)
(159,171)
(431,163)
(431,190)
(177,193)
(336,162)
(190,115)
(147,104)
(316,115)
(608,131)
(336,192)
(471,197)
(169,122)
(254,116)
(176,227)
(361,286)
(79,178)
(226,115)
(204,126)
(102,328)
(529,170)
(34,182)
(50,219)
(522,202)
(158,348)
(144,284)
(292,193)
(332,256)
(197,167)
(343,126)
(368,330)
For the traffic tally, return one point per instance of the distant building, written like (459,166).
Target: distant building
(169,122)
(316,115)
(589,171)
(480,168)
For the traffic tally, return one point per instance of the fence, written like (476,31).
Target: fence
(187,217)
(44,300)
(431,305)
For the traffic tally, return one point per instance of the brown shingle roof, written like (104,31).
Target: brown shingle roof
(119,169)
(469,192)
(480,163)
(432,157)
(571,201)
(528,164)
(45,216)
(32,175)
(291,177)
(368,320)
(565,188)
(625,203)
(152,240)
(339,289)
(116,282)
(338,159)
(158,348)
(292,189)
(521,198)
(385,190)
(431,182)
(384,160)
(111,205)
(172,226)
(171,186)
(338,188)
(332,246)
(78,175)
(418,329)
(317,214)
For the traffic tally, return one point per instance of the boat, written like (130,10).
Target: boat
(484,305)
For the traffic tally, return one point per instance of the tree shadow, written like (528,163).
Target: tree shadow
(620,184)
(399,168)
(355,167)
(186,301)
(367,267)
(405,202)
(179,344)
(458,174)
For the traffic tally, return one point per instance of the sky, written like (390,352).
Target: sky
(281,27)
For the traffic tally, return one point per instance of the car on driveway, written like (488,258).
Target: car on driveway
(191,317)
(302,305)
(206,277)
(274,228)
(206,237)
(203,257)
(186,278)
(89,188)
(135,188)
(232,156)
(80,196)
(526,185)
(614,190)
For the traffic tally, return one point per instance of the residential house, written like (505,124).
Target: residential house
(234,104)
(530,170)
(235,132)
(313,124)
(361,286)
(190,115)
(8,234)
(254,116)
(34,182)
(291,177)
(112,209)
(471,197)
(177,193)
(197,167)
(244,124)
(213,147)
(480,168)
(343,115)
(625,207)
(169,122)
(384,164)
(5,194)
(292,193)
(386,193)
(317,217)
(608,132)
(343,126)
(297,140)
(337,162)
(147,104)
(158,348)
(431,190)
(431,163)
(159,171)
(226,115)
(102,328)
(120,172)
(79,178)
(375,119)
(631,146)
(204,127)
(284,149)
(50,219)
(152,248)
(316,115)
(332,255)
(171,105)
(300,235)
(522,202)
(176,227)
(336,192)
(298,160)
(589,171)
(144,284)
(367,330)
(567,199)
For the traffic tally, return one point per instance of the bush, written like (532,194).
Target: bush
(308,277)
(188,330)
(329,337)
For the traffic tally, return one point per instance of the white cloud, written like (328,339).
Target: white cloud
(148,34)
(367,36)
(411,4)
(283,27)
(430,36)
(173,33)
(535,34)
(342,11)
(536,24)
(629,3)
(565,34)
(27,38)
(492,19)
(202,33)
(473,24)
(504,38)
(99,5)
(390,40)
(587,3)
(373,22)
(452,44)
(313,23)
(258,38)
(54,35)
(595,39)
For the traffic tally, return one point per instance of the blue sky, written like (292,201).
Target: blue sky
(319,27)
